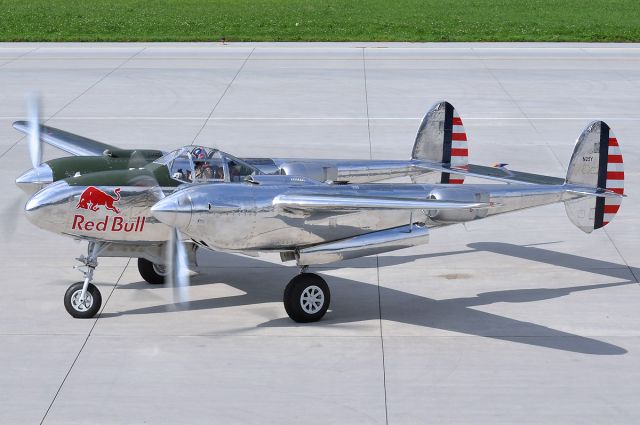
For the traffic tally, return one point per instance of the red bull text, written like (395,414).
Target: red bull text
(110,224)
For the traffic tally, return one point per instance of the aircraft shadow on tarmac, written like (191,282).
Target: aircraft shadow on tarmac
(354,301)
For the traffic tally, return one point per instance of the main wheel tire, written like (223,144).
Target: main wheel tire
(306,298)
(151,272)
(91,305)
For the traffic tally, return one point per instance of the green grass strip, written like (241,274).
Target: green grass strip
(320,20)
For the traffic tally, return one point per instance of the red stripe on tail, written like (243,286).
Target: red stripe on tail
(459,137)
(459,152)
(611,209)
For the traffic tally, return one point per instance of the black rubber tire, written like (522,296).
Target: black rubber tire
(145,267)
(293,293)
(91,311)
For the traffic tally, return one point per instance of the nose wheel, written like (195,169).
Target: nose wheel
(82,308)
(306,298)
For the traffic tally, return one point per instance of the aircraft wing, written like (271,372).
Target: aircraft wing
(354,202)
(500,174)
(68,142)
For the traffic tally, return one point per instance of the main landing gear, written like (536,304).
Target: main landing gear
(151,272)
(306,297)
(83,300)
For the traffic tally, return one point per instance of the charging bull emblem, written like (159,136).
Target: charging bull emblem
(92,198)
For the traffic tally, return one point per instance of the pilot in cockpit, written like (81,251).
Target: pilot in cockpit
(202,169)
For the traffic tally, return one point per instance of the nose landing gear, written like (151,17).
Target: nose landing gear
(83,300)
(82,307)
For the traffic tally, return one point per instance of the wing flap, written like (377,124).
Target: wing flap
(68,142)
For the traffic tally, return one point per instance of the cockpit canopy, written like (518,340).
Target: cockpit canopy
(198,164)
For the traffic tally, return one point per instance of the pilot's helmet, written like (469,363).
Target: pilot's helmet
(198,153)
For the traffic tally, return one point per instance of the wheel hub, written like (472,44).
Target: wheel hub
(160,269)
(81,306)
(312,299)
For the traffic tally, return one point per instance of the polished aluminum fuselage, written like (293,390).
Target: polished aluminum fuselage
(54,207)
(245,216)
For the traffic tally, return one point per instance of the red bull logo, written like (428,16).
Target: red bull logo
(93,198)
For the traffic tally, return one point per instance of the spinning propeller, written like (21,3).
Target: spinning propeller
(176,258)
(35,143)
(177,269)
(35,154)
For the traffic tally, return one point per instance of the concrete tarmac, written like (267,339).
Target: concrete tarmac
(521,319)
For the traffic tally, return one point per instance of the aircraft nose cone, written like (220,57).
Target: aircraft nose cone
(48,208)
(34,179)
(44,198)
(174,211)
(32,205)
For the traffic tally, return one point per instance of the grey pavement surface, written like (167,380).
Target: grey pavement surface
(521,319)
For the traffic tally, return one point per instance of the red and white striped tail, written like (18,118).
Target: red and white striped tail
(596,163)
(442,138)
(615,179)
(459,148)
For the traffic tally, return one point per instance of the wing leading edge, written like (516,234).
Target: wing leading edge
(347,202)
(68,142)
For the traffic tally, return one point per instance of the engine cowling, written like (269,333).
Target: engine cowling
(313,170)
(458,194)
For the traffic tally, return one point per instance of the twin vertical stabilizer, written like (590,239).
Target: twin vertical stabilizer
(441,139)
(596,163)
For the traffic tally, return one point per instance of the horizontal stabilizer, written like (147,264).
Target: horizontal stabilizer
(599,193)
(68,142)
(345,202)
(490,173)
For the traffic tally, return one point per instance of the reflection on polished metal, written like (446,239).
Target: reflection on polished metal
(68,142)
(352,171)
(174,211)
(301,217)
(353,202)
(35,179)
(363,245)
(57,208)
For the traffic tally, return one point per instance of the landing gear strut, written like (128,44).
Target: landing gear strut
(306,298)
(83,300)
